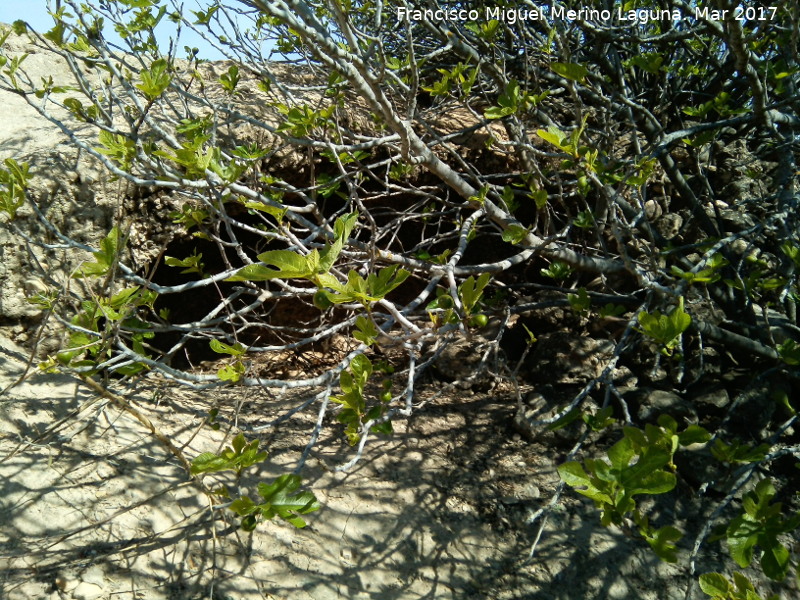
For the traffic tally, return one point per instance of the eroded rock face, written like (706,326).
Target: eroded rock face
(75,194)
(70,191)
(68,199)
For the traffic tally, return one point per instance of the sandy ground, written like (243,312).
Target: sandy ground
(93,507)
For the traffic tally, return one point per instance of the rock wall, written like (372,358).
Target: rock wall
(71,190)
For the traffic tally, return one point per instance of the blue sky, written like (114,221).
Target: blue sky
(35,13)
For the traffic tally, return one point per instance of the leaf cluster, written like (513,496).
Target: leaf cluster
(639,463)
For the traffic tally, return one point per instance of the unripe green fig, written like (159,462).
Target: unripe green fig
(321,300)
(479,320)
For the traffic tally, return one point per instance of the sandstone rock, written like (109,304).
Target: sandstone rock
(87,591)
(653,403)
(566,358)
(714,398)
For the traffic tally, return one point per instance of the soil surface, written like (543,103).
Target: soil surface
(94,507)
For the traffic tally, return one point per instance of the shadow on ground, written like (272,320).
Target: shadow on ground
(94,507)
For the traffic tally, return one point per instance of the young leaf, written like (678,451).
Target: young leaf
(366,332)
(290,265)
(714,585)
(282,499)
(190,264)
(554,136)
(230,80)
(580,302)
(232,372)
(738,452)
(666,329)
(573,474)
(472,290)
(557,270)
(243,506)
(104,257)
(514,234)
(208,462)
(117,147)
(236,457)
(341,229)
(13,184)
(223,348)
(571,71)
(156,79)
(662,543)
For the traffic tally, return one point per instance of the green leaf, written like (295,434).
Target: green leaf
(621,454)
(539,197)
(584,220)
(290,265)
(572,474)
(775,562)
(124,297)
(480,197)
(792,250)
(282,499)
(222,348)
(742,536)
(366,332)
(230,80)
(232,372)
(236,457)
(611,310)
(277,212)
(515,234)
(715,585)
(204,18)
(642,481)
(156,80)
(579,302)
(557,270)
(649,62)
(361,367)
(599,421)
(365,291)
(384,428)
(570,417)
(472,290)
(666,329)
(694,434)
(208,462)
(737,452)
(190,264)
(243,506)
(743,585)
(662,543)
(498,112)
(571,71)
(13,185)
(341,230)
(117,147)
(104,257)
(13,67)
(554,136)
(789,352)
